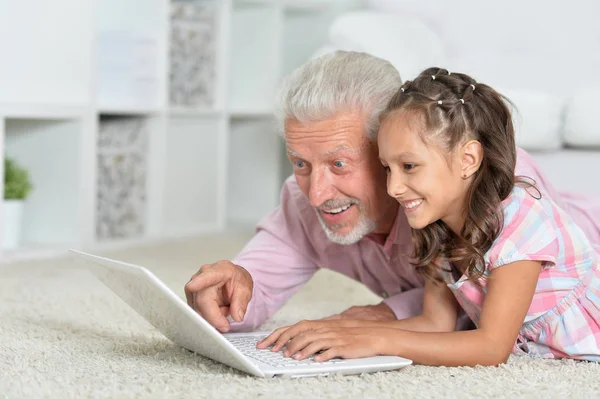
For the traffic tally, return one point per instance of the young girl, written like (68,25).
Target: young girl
(486,241)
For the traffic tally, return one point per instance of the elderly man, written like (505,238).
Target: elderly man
(335,212)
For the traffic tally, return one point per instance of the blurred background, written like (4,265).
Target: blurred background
(127,121)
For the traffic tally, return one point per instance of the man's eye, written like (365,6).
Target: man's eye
(339,164)
(409,166)
(300,164)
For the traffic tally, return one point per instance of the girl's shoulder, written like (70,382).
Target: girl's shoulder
(528,231)
(526,203)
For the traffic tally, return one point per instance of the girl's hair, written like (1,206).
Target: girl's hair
(455,109)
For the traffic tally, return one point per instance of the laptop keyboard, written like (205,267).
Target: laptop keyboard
(247,345)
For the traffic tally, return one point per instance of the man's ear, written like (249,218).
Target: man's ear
(471,158)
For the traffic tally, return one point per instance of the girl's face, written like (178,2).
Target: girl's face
(423,177)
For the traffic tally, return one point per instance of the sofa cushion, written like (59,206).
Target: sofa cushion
(523,44)
(537,119)
(582,119)
(406,42)
(569,169)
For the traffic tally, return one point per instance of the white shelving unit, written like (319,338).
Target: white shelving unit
(147,119)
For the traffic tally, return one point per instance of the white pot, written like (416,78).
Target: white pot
(12,215)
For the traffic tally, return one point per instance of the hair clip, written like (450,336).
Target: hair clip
(433,77)
(402,89)
(462,101)
(440,102)
(473,86)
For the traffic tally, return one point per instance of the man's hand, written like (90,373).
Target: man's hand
(380,312)
(219,290)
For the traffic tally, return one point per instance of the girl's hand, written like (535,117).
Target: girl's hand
(280,337)
(342,342)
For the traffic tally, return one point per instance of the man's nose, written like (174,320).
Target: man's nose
(321,186)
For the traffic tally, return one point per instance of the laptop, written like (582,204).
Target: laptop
(177,321)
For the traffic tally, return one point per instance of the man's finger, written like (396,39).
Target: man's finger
(206,279)
(208,307)
(224,310)
(189,296)
(239,303)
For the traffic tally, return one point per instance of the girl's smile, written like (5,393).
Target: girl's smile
(425,181)
(411,205)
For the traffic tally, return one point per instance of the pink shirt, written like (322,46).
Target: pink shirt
(290,246)
(563,318)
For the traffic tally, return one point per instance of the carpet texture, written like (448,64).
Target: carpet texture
(63,334)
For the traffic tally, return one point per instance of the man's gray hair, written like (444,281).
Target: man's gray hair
(337,82)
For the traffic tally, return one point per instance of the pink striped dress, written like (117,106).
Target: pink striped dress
(563,320)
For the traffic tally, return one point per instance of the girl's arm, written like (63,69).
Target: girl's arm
(440,311)
(509,295)
(439,314)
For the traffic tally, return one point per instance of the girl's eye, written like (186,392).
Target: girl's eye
(409,166)
(387,169)
(300,164)
(339,164)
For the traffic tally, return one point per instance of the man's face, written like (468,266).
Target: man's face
(338,169)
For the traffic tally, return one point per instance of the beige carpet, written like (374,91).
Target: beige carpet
(65,335)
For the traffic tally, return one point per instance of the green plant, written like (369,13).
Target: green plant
(17,184)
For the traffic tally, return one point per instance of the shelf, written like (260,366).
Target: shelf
(253,162)
(182,111)
(193,54)
(301,5)
(129,50)
(121,200)
(255,3)
(150,122)
(42,111)
(192,177)
(255,58)
(319,5)
(240,113)
(51,151)
(129,54)
(128,111)
(45,51)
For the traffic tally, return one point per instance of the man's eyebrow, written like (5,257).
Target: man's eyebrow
(326,154)
(293,153)
(337,149)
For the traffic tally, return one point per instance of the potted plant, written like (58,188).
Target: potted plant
(17,186)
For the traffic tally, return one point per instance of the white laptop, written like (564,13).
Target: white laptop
(172,316)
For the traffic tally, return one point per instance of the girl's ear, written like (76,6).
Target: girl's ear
(472,156)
